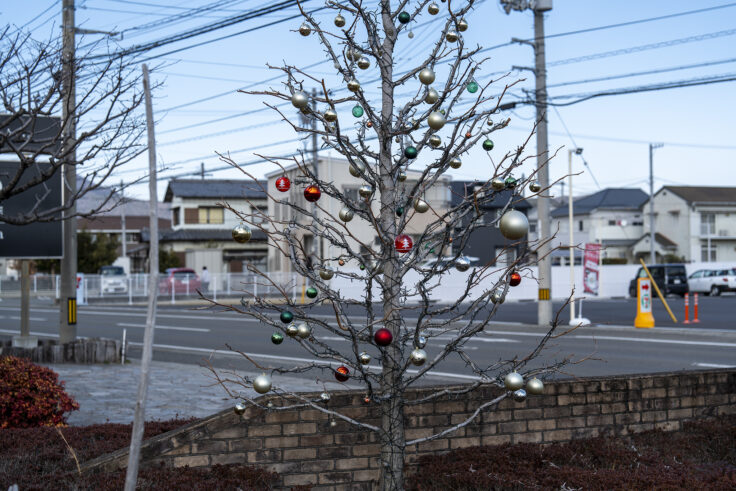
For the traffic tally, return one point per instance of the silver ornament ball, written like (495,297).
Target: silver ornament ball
(432,96)
(426,76)
(435,141)
(402,176)
(363,63)
(520,395)
(535,187)
(451,36)
(462,264)
(330,116)
(241,234)
(339,20)
(497,297)
(364,358)
(420,205)
(305,30)
(421,342)
(325,396)
(346,214)
(535,386)
(353,86)
(436,120)
(239,408)
(365,191)
(303,330)
(498,184)
(356,168)
(514,225)
(299,100)
(262,384)
(418,357)
(455,163)
(292,330)
(462,26)
(513,381)
(433,9)
(326,273)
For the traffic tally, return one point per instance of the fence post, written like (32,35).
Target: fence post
(130,290)
(56,285)
(228,283)
(255,286)
(214,287)
(173,295)
(35,287)
(145,284)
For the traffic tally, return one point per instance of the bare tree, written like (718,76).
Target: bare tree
(446,121)
(108,124)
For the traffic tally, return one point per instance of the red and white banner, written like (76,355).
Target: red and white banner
(590,268)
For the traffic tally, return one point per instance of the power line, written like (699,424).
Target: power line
(585,162)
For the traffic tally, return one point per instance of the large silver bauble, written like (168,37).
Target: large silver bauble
(513,225)
(262,384)
(426,76)
(535,187)
(356,168)
(435,141)
(346,214)
(513,381)
(326,273)
(534,386)
(364,358)
(497,297)
(418,357)
(352,55)
(363,63)
(325,396)
(299,100)
(455,163)
(330,116)
(305,30)
(436,120)
(420,205)
(462,264)
(462,26)
(303,330)
(432,96)
(402,176)
(292,330)
(498,183)
(353,86)
(421,342)
(433,9)
(451,36)
(239,408)
(519,395)
(241,233)
(365,191)
(339,20)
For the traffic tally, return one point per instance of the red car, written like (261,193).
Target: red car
(181,280)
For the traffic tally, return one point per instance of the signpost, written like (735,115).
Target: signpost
(591,270)
(644,317)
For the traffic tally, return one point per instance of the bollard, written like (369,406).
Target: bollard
(687,309)
(695,308)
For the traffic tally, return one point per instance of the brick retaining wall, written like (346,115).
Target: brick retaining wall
(303,447)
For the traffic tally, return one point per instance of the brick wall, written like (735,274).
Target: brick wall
(304,447)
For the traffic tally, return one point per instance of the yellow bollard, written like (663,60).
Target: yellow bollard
(644,317)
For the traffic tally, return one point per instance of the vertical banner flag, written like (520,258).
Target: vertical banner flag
(590,268)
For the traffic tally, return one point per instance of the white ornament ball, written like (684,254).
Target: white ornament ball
(535,386)
(426,76)
(299,100)
(346,214)
(303,330)
(513,381)
(432,96)
(262,384)
(514,225)
(420,205)
(436,120)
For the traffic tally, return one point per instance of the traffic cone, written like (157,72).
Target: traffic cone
(687,309)
(695,308)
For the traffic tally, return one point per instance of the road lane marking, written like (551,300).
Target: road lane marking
(32,333)
(712,365)
(440,338)
(17,318)
(660,341)
(170,328)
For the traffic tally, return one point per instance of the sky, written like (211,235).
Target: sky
(695,124)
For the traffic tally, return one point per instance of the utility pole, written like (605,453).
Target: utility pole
(122,219)
(652,147)
(68,287)
(544,304)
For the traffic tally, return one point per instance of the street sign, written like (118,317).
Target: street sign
(30,134)
(38,239)
(644,317)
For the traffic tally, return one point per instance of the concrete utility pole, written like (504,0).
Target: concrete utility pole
(68,287)
(652,146)
(544,305)
(122,220)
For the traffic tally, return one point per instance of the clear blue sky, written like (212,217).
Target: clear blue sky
(696,124)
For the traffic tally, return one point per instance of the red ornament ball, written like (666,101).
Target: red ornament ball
(283,184)
(514,279)
(403,243)
(383,337)
(342,374)
(312,193)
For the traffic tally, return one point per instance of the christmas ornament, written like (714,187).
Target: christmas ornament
(312,292)
(432,96)
(286,317)
(426,76)
(514,279)
(330,116)
(357,168)
(352,55)
(364,358)
(420,205)
(410,152)
(520,395)
(497,297)
(383,337)
(535,187)
(339,20)
(489,122)
(418,357)
(451,36)
(472,87)
(367,399)
(421,342)
(404,17)
(283,184)
(299,100)
(433,9)
(342,374)
(346,214)
(303,330)
(436,120)
(363,63)
(402,176)
(241,233)
(435,141)
(365,191)
(411,35)
(312,193)
(462,264)
(277,338)
(358,111)
(498,184)
(511,182)
(462,26)
(333,423)
(468,134)
(534,386)
(403,243)
(513,381)
(239,409)
(362,267)
(292,330)
(514,225)
(262,384)
(341,262)
(269,404)
(399,211)
(353,86)
(369,124)
(488,145)
(455,163)
(325,397)
(305,30)
(326,273)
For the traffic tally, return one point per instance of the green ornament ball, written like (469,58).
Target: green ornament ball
(362,267)
(399,211)
(404,17)
(277,338)
(431,251)
(312,292)
(411,152)
(488,145)
(286,316)
(472,86)
(510,182)
(358,111)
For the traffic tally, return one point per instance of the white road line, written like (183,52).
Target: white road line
(660,341)
(17,318)
(712,365)
(517,333)
(170,328)
(441,338)
(32,333)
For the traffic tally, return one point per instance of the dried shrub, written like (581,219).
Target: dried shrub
(31,395)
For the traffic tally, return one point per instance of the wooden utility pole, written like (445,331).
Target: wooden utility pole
(140,406)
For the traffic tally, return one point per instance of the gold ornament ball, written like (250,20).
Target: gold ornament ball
(451,36)
(436,120)
(330,116)
(433,9)
(497,297)
(339,20)
(365,191)
(326,274)
(420,205)
(364,358)
(498,183)
(462,26)
(455,163)
(239,409)
(241,233)
(432,96)
(262,384)
(426,76)
(489,122)
(352,55)
(353,86)
(421,342)
(356,169)
(435,141)
(418,357)
(346,214)
(513,225)
(535,187)
(535,386)
(513,381)
(520,395)
(402,176)
(292,330)
(303,330)
(299,100)
(305,30)
(363,63)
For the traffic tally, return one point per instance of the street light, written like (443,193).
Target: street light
(570,152)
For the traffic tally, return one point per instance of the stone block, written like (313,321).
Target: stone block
(333,452)
(300,479)
(281,442)
(627,418)
(228,458)
(354,463)
(433,445)
(288,416)
(192,461)
(464,442)
(334,477)
(495,439)
(512,427)
(557,435)
(300,453)
(674,414)
(316,440)
(228,433)
(245,444)
(299,428)
(542,424)
(317,465)
(264,430)
(527,437)
(370,449)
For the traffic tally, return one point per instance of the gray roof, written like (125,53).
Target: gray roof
(114,206)
(198,235)
(605,199)
(704,194)
(215,188)
(460,189)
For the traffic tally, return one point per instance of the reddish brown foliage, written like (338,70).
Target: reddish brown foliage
(701,456)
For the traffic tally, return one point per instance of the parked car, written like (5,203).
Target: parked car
(670,278)
(712,281)
(113,279)
(181,280)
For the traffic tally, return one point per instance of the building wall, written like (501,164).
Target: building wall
(179,206)
(673,219)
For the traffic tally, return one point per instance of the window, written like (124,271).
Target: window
(611,223)
(259,213)
(211,215)
(191,215)
(175,216)
(505,256)
(580,226)
(707,224)
(697,274)
(704,253)
(532,227)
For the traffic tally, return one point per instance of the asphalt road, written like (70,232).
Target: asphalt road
(613,347)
